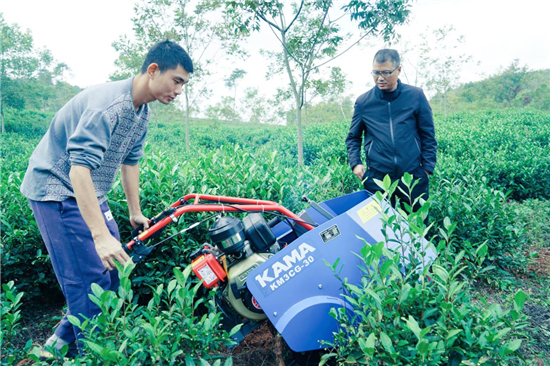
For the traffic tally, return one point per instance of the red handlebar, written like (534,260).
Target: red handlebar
(237,205)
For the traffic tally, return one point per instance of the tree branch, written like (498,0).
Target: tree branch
(296,17)
(207,45)
(262,17)
(340,54)
(310,55)
(337,19)
(286,53)
(284,45)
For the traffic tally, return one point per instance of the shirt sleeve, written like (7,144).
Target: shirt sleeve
(91,138)
(355,137)
(426,131)
(137,151)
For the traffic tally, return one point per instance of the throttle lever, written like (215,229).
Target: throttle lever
(318,208)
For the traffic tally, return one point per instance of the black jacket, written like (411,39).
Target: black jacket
(398,129)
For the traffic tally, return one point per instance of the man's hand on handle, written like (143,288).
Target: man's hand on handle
(138,220)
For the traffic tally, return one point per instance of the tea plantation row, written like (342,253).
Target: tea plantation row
(429,317)
(484,160)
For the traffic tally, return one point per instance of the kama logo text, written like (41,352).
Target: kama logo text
(291,263)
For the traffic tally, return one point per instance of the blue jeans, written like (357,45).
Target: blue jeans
(74,258)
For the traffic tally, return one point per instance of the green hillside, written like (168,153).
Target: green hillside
(514,86)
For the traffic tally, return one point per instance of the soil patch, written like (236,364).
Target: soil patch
(38,322)
(541,264)
(258,348)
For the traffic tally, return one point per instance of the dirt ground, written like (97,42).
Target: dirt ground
(535,282)
(39,322)
(265,346)
(541,264)
(537,286)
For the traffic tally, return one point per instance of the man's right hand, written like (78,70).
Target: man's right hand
(109,249)
(359,171)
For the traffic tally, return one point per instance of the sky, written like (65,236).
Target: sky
(80,33)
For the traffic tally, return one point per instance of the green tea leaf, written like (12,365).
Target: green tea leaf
(440,272)
(512,346)
(386,342)
(519,299)
(453,333)
(412,324)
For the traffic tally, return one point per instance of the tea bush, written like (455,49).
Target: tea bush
(169,330)
(511,148)
(260,162)
(409,312)
(32,124)
(24,257)
(482,217)
(10,298)
(173,328)
(536,214)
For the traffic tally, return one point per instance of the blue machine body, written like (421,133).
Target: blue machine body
(296,287)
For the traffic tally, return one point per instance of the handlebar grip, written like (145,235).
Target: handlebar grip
(136,231)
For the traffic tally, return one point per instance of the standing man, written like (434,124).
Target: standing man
(397,124)
(97,133)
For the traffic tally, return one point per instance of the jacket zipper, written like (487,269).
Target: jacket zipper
(391,131)
(417,146)
(370,147)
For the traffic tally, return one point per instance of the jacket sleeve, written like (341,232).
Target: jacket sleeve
(426,130)
(355,137)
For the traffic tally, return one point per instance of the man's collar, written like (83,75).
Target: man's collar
(382,95)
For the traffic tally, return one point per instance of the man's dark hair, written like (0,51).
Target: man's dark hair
(387,54)
(167,55)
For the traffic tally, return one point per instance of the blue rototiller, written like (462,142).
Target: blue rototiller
(277,269)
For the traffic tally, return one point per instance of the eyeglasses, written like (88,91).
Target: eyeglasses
(384,73)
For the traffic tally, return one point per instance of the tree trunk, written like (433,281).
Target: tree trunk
(297,95)
(305,114)
(186,119)
(342,109)
(300,134)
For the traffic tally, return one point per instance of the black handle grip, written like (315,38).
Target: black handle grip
(136,231)
(169,211)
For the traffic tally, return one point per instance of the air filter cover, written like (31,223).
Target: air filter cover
(228,234)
